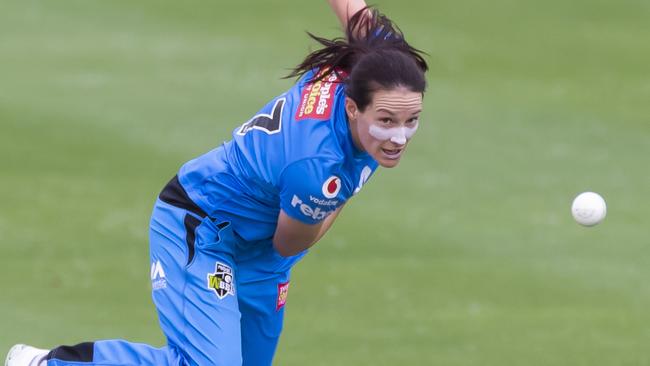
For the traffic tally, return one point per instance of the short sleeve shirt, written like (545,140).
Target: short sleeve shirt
(296,154)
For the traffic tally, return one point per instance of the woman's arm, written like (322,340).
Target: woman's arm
(344,9)
(292,236)
(327,223)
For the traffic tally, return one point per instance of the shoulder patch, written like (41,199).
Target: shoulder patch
(316,98)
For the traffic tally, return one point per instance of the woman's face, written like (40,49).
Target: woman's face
(387,124)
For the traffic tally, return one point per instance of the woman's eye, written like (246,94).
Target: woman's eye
(412,120)
(385,120)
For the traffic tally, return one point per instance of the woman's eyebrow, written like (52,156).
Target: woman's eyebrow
(385,110)
(392,113)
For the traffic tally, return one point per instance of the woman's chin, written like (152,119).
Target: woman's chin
(387,162)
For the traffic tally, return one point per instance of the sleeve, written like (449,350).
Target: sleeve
(310,190)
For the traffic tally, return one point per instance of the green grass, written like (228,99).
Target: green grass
(464,255)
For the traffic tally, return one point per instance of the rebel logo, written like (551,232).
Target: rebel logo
(307,210)
(331,187)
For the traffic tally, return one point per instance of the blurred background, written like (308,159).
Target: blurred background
(466,254)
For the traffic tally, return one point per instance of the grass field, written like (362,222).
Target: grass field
(464,255)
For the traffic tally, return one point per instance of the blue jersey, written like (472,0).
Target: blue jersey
(295,154)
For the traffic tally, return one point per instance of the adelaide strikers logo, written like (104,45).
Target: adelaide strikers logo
(222,280)
(331,187)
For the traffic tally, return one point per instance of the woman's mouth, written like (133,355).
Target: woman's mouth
(392,153)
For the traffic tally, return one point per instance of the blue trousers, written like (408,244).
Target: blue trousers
(220,299)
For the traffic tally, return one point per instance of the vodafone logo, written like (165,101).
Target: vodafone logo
(331,187)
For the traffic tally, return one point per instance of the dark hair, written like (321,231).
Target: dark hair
(373,55)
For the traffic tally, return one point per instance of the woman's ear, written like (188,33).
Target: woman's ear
(351,108)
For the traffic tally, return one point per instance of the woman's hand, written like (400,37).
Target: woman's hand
(344,9)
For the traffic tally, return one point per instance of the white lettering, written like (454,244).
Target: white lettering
(321,202)
(314,213)
(324,96)
(306,210)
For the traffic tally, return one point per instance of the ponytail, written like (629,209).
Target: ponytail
(373,51)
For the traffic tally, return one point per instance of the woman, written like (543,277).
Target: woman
(227,229)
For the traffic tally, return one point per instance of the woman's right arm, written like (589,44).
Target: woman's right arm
(344,9)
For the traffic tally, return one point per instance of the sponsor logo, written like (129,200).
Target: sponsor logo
(316,98)
(158,280)
(283,292)
(363,178)
(321,202)
(331,187)
(222,280)
(314,213)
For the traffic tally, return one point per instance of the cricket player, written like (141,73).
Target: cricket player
(227,228)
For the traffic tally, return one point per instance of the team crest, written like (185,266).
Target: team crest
(283,292)
(222,281)
(331,187)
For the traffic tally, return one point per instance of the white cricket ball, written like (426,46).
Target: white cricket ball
(589,208)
